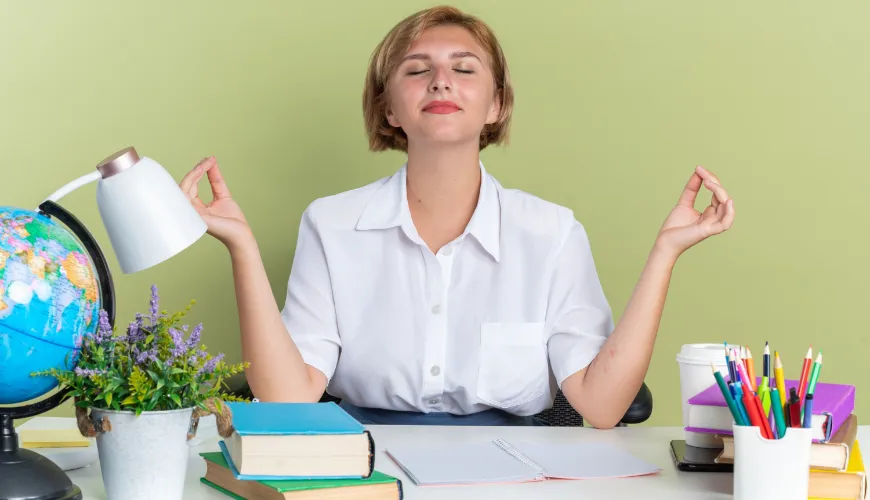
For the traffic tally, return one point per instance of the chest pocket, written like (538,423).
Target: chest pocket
(513,366)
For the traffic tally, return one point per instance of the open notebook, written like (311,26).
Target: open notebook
(499,461)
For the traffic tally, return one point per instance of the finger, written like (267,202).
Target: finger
(218,186)
(706,174)
(727,219)
(690,192)
(709,215)
(718,191)
(190,181)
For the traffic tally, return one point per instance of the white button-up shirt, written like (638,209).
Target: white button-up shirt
(499,317)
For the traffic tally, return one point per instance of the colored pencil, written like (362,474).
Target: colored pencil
(750,366)
(814,377)
(780,379)
(805,374)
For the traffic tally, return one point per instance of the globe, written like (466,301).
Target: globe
(49,299)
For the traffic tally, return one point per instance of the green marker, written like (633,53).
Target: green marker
(738,419)
(814,376)
(778,416)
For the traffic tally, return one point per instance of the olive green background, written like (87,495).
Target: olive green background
(617,101)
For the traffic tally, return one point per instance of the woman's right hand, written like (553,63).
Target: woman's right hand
(224,217)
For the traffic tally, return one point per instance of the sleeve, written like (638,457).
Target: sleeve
(309,309)
(579,318)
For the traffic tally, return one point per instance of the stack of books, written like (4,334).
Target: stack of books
(836,466)
(297,450)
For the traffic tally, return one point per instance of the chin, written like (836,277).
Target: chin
(447,135)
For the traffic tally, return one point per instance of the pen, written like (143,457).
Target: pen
(794,409)
(754,411)
(764,394)
(766,362)
(805,374)
(778,416)
(738,399)
(771,422)
(764,420)
(780,379)
(808,411)
(738,418)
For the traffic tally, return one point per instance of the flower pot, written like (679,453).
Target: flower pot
(143,457)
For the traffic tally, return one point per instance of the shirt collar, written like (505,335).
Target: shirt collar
(389,208)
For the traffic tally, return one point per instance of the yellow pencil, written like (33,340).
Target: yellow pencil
(780,377)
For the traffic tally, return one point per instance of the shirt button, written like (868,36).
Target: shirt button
(447,251)
(436,309)
(435,371)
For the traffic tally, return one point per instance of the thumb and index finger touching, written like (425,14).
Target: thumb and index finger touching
(190,182)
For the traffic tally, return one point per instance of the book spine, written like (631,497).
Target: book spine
(371,454)
(841,412)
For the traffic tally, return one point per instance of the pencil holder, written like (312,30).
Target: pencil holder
(771,468)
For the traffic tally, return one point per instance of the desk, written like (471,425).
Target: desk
(649,443)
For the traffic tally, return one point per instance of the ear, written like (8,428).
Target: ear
(494,109)
(392,119)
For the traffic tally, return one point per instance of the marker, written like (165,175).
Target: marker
(738,418)
(794,409)
(766,363)
(808,411)
(778,416)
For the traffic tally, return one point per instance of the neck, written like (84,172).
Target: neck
(444,180)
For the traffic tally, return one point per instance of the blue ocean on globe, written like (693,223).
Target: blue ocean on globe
(49,300)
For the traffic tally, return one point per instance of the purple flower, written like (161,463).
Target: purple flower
(211,365)
(155,305)
(195,335)
(104,329)
(178,341)
(88,372)
(145,356)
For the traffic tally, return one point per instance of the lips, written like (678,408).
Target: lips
(441,107)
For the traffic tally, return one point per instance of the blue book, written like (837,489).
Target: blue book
(286,441)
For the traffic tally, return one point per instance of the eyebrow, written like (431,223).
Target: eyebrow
(425,57)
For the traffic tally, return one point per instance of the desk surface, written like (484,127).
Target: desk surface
(649,443)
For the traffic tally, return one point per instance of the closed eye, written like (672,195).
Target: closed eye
(465,71)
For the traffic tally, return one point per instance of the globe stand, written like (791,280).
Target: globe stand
(25,474)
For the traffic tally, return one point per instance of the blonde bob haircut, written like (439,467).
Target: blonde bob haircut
(389,53)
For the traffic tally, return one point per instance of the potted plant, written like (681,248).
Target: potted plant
(145,391)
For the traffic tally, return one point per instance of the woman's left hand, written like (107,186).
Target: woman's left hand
(685,226)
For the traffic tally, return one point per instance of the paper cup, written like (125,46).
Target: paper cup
(695,376)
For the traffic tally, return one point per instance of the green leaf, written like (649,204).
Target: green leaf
(109,398)
(174,397)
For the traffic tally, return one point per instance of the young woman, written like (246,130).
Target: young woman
(437,295)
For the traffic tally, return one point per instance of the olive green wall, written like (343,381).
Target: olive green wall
(616,103)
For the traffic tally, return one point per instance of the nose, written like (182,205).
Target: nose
(440,81)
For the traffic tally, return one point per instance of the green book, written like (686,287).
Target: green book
(232,486)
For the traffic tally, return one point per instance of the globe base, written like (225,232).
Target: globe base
(27,475)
